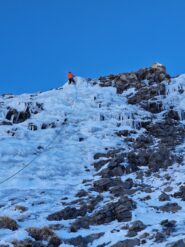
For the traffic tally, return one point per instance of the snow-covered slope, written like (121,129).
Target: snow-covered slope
(98,167)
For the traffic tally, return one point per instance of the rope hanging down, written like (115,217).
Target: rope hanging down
(35,158)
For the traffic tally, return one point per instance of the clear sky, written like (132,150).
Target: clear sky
(41,40)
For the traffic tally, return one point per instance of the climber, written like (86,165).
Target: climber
(71,78)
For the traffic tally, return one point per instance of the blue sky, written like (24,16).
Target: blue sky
(41,40)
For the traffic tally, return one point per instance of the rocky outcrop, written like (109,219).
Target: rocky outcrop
(8,223)
(68,213)
(120,211)
(153,75)
(16,116)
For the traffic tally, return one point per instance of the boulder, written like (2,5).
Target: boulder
(164,197)
(8,223)
(137,226)
(168,223)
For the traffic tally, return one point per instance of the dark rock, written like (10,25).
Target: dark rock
(22,116)
(44,126)
(128,183)
(83,222)
(40,233)
(54,241)
(137,226)
(146,189)
(92,203)
(180,193)
(17,117)
(67,213)
(28,243)
(168,223)
(167,177)
(125,133)
(143,141)
(21,208)
(12,113)
(160,158)
(127,243)
(173,115)
(159,237)
(120,211)
(109,154)
(114,168)
(139,158)
(78,241)
(131,234)
(168,189)
(130,168)
(99,164)
(32,126)
(145,97)
(164,197)
(8,223)
(105,183)
(83,241)
(179,243)
(4,122)
(48,125)
(144,235)
(146,198)
(82,193)
(170,207)
(119,190)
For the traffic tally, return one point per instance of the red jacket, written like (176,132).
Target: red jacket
(70,75)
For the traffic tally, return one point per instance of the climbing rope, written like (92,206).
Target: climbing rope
(32,160)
